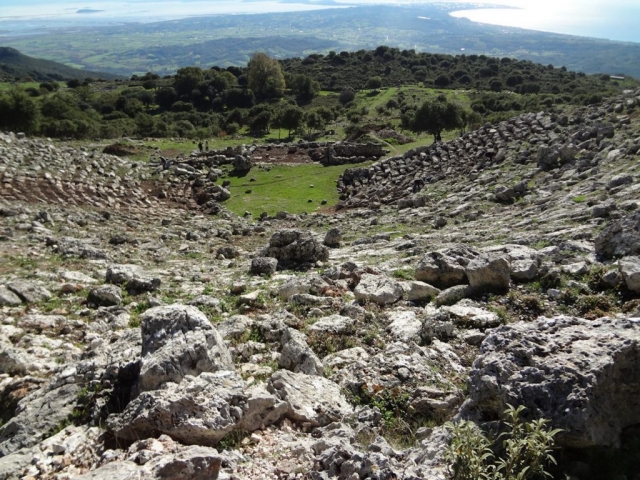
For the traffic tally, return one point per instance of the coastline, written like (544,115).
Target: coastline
(608,27)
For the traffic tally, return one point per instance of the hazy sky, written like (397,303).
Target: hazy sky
(614,19)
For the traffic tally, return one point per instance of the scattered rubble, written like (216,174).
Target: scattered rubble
(140,336)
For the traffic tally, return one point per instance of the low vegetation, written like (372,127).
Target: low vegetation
(522,451)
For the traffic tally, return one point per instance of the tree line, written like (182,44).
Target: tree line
(267,94)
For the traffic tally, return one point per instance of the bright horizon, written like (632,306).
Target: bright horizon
(614,19)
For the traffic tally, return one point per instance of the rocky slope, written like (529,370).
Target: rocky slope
(143,338)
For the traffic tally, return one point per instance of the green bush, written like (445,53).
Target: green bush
(521,452)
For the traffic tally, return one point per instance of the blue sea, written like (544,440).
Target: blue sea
(613,19)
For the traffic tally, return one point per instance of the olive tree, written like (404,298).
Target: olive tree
(290,118)
(436,116)
(265,77)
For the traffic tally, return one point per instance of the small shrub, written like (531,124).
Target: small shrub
(525,305)
(502,313)
(253,334)
(569,297)
(323,343)
(594,278)
(552,279)
(532,303)
(521,452)
(594,305)
(404,274)
(399,423)
(232,440)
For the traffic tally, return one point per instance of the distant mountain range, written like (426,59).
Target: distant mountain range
(14,65)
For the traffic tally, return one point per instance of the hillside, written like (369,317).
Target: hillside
(148,331)
(345,92)
(466,71)
(16,66)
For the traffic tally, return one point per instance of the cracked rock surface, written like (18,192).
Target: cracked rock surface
(146,335)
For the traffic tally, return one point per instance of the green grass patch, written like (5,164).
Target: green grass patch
(404,274)
(285,188)
(6,86)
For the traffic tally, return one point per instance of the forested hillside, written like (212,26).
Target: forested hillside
(15,65)
(387,87)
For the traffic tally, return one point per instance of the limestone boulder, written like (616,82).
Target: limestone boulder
(445,268)
(438,325)
(404,325)
(39,413)
(8,298)
(72,448)
(313,284)
(470,316)
(161,459)
(629,267)
(345,357)
(296,355)
(111,362)
(210,302)
(121,274)
(333,238)
(142,284)
(75,247)
(29,291)
(105,296)
(198,411)
(336,324)
(242,164)
(504,194)
(419,291)
(212,194)
(42,323)
(399,368)
(580,374)
(524,262)
(310,399)
(378,289)
(619,238)
(489,273)
(295,248)
(234,327)
(133,277)
(263,266)
(179,340)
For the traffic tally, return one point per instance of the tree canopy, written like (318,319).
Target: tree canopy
(436,116)
(265,77)
(290,118)
(18,111)
(187,79)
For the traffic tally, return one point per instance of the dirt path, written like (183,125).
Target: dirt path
(394,150)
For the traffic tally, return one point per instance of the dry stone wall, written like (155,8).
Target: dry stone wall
(548,139)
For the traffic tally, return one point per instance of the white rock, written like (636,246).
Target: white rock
(311,399)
